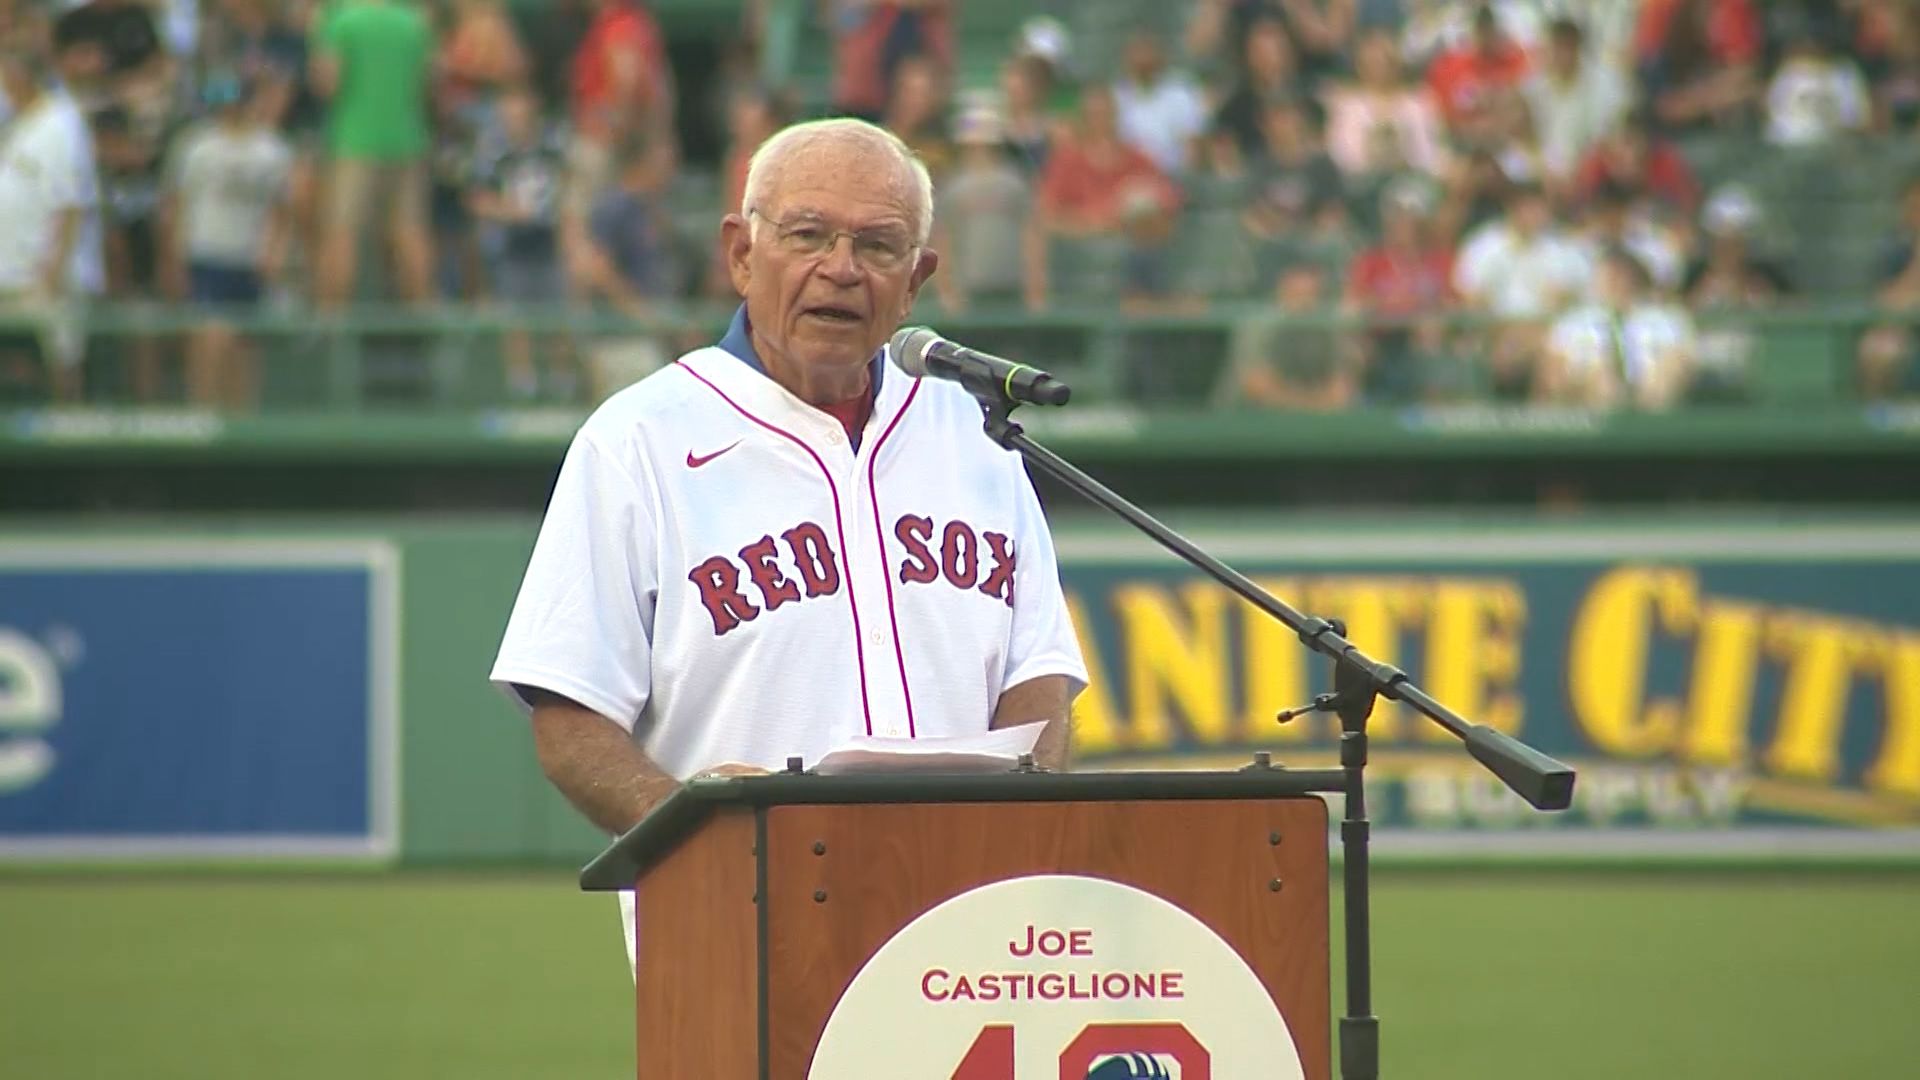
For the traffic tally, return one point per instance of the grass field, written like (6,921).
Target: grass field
(1496,975)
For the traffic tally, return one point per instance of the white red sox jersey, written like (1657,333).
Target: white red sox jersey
(724,574)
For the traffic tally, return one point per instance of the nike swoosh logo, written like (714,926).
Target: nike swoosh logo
(695,462)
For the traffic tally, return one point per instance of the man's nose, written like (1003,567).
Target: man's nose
(838,265)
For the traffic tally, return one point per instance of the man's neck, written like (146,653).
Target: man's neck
(816,387)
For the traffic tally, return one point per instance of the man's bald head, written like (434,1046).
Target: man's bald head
(842,139)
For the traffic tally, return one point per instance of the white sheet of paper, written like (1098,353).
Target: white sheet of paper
(987,752)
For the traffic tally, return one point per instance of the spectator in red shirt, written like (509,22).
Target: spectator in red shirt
(1097,185)
(1092,176)
(872,37)
(622,88)
(481,53)
(1478,83)
(1402,286)
(621,81)
(753,116)
(1699,60)
(917,112)
(1644,164)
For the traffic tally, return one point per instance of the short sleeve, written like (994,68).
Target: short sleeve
(66,173)
(1674,329)
(1042,639)
(1574,264)
(1855,100)
(281,155)
(332,32)
(582,626)
(1472,274)
(1575,339)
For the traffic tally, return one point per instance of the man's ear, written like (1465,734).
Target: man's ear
(923,269)
(736,240)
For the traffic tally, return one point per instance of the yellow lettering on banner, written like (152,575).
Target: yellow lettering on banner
(1896,770)
(1720,701)
(1821,654)
(1174,659)
(1473,650)
(1375,610)
(1607,658)
(1096,727)
(1275,675)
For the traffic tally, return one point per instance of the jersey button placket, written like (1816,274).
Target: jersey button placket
(868,568)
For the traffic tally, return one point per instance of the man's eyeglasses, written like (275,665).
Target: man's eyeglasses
(879,249)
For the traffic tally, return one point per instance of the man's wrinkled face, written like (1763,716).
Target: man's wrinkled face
(829,262)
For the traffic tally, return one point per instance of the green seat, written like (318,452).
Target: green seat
(1086,270)
(1212,257)
(1799,366)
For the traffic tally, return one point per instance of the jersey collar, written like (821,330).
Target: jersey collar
(732,367)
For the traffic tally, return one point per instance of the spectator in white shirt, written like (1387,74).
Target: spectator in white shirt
(1523,264)
(1161,111)
(50,233)
(1815,95)
(1575,99)
(1522,268)
(1382,120)
(1627,349)
(225,220)
(1615,218)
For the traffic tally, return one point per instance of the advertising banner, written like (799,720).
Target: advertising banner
(1722,691)
(195,698)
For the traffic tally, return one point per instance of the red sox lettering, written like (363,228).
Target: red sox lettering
(959,558)
(735,589)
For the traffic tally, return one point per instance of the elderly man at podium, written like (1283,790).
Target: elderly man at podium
(785,541)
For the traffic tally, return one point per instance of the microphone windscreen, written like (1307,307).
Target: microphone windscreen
(910,345)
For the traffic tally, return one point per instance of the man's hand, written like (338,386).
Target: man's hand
(1047,699)
(731,768)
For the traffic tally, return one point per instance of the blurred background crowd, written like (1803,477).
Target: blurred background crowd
(1579,202)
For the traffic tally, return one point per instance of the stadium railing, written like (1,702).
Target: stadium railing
(377,376)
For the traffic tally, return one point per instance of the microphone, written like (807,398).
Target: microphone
(920,351)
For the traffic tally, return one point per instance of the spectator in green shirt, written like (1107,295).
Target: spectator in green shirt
(372,62)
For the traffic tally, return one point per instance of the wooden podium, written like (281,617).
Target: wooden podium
(760,899)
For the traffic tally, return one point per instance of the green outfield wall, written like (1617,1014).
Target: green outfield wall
(1730,687)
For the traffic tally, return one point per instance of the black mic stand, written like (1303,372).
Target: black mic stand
(1358,681)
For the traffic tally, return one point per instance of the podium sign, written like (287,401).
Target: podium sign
(1057,974)
(1018,927)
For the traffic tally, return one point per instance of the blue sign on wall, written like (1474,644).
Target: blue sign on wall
(202,699)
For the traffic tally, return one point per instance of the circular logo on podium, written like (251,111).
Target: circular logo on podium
(1056,977)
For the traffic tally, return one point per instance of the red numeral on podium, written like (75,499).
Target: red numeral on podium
(991,1055)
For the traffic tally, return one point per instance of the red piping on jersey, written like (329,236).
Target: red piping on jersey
(859,647)
(886,574)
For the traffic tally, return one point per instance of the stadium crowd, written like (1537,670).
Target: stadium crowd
(1498,200)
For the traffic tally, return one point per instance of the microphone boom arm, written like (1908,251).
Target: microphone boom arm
(1358,681)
